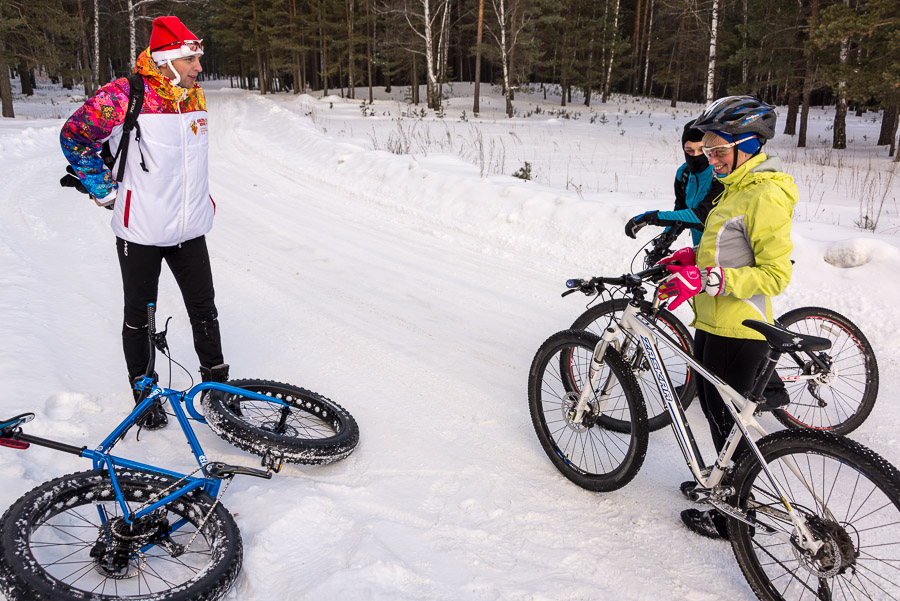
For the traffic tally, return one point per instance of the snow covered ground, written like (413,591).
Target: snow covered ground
(414,290)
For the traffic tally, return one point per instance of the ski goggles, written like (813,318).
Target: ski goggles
(185,48)
(723,150)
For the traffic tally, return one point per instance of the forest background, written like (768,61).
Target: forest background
(843,53)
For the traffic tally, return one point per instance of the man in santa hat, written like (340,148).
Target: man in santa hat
(162,207)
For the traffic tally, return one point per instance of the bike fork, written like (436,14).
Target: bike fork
(609,337)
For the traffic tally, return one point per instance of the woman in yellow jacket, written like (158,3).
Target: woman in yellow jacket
(743,259)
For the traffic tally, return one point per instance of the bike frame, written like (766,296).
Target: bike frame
(742,410)
(102,458)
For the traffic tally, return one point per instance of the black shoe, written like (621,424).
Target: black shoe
(776,397)
(709,523)
(153,418)
(687,488)
(217,373)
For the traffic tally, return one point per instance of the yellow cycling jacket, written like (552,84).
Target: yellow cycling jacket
(748,234)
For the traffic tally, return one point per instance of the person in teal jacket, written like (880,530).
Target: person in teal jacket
(695,190)
(743,259)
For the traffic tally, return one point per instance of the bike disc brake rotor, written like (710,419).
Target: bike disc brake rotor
(836,555)
(569,403)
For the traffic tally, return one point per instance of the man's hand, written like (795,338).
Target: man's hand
(638,222)
(107,202)
(70,180)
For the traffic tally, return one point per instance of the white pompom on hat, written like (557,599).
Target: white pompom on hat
(170,40)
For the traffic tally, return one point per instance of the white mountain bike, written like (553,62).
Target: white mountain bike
(811,514)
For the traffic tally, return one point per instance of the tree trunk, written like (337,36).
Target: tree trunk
(351,83)
(95,72)
(132,42)
(369,42)
(500,11)
(713,41)
(85,51)
(475,105)
(647,52)
(839,141)
(26,76)
(635,47)
(415,80)
(6,105)
(889,123)
(259,61)
(795,90)
(745,64)
(324,47)
(612,52)
(808,78)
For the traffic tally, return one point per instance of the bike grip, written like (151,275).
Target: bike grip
(573,283)
(151,317)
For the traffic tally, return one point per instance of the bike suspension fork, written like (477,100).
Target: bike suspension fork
(608,338)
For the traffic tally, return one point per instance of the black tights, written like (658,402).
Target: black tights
(141,266)
(734,360)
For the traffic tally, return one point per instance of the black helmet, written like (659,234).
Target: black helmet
(736,115)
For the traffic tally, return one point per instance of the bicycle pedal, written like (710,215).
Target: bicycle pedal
(272,461)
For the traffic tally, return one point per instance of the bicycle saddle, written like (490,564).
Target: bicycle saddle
(785,341)
(14,422)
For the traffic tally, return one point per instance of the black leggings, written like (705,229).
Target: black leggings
(736,361)
(189,263)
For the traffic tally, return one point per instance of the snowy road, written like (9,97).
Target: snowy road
(422,326)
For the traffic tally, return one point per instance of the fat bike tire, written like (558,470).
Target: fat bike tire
(590,454)
(855,511)
(838,401)
(598,318)
(298,426)
(49,535)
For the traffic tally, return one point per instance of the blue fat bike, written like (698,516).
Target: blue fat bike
(131,530)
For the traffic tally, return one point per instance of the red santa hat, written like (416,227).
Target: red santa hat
(170,39)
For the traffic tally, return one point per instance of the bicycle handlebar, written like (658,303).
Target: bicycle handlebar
(631,281)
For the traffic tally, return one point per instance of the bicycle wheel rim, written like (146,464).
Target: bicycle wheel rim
(840,400)
(63,546)
(861,558)
(298,426)
(595,456)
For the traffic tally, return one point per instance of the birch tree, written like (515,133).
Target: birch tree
(475,106)
(506,35)
(713,41)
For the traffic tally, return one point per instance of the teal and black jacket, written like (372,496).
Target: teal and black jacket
(694,196)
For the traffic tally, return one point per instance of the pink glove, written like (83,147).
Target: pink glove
(682,256)
(687,282)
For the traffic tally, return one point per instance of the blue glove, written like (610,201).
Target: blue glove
(638,222)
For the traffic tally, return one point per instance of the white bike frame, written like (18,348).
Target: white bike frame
(647,334)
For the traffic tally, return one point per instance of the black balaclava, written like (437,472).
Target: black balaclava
(694,164)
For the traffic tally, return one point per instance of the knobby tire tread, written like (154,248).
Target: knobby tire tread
(240,432)
(23,579)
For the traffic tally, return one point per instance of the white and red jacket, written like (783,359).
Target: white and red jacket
(170,202)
